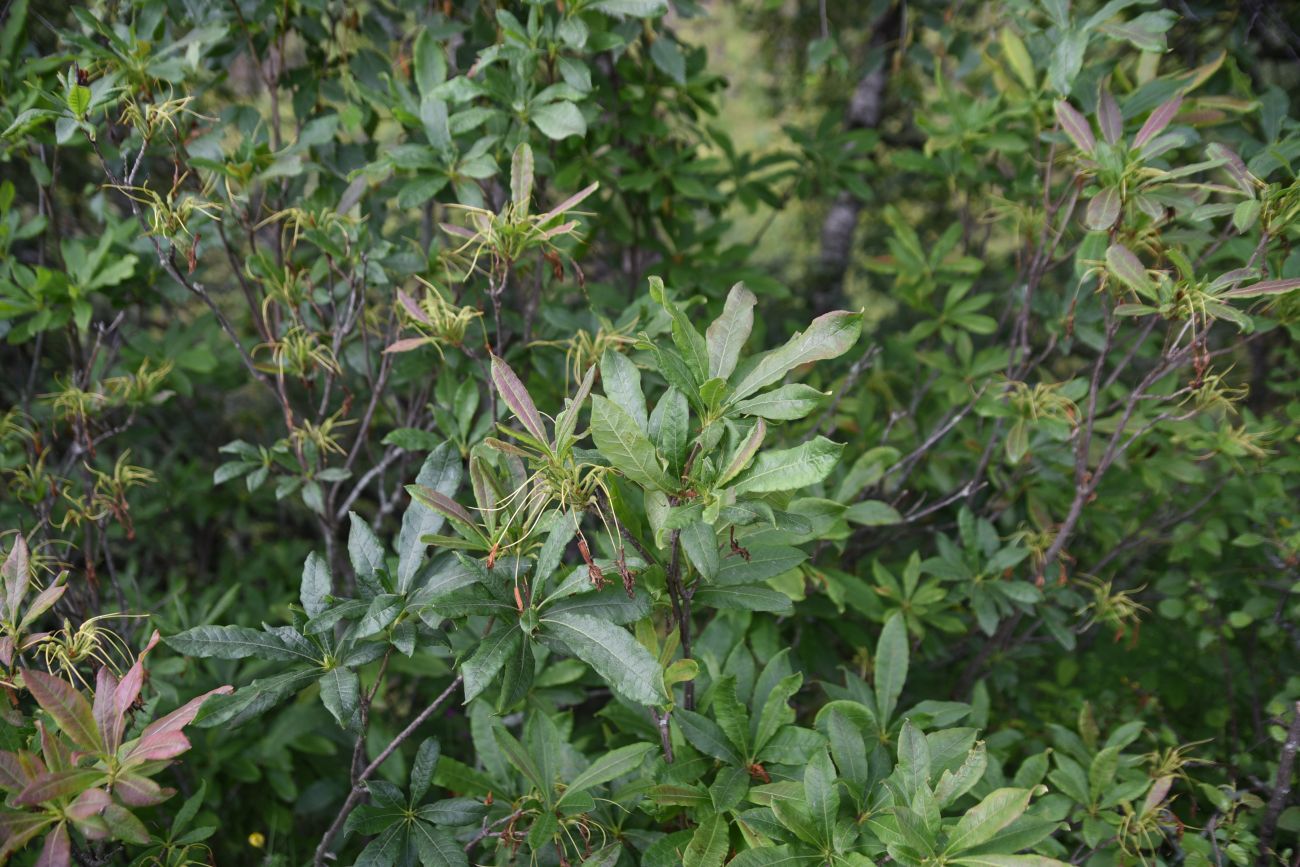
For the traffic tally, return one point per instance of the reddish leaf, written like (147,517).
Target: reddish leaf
(89,803)
(12,777)
(1158,120)
(1109,118)
(183,715)
(44,601)
(57,851)
(62,784)
(1233,165)
(571,202)
(156,747)
(129,689)
(15,573)
(412,307)
(137,791)
(67,706)
(517,398)
(1075,126)
(406,344)
(110,722)
(17,828)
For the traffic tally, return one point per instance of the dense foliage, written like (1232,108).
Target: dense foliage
(449,433)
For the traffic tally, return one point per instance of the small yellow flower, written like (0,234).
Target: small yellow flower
(257,839)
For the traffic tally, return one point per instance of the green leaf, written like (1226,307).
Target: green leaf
(492,652)
(709,844)
(764,562)
(610,766)
(829,336)
(872,513)
(316,585)
(670,429)
(1008,861)
(365,551)
(437,847)
(234,642)
(789,469)
(848,747)
(668,57)
(744,597)
(611,650)
(631,8)
(1130,271)
(787,403)
(521,177)
(1103,210)
(426,762)
(732,716)
(430,63)
(727,335)
(441,472)
(701,545)
(891,666)
(706,736)
(981,822)
(625,445)
(559,120)
(819,784)
(621,381)
(340,692)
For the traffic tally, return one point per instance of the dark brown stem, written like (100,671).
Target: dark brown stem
(1281,788)
(359,787)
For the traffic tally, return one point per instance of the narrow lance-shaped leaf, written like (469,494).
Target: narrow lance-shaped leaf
(984,820)
(1159,119)
(512,391)
(521,177)
(1075,126)
(891,666)
(15,571)
(1266,287)
(1108,117)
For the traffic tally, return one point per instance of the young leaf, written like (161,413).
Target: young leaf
(66,706)
(521,177)
(1156,123)
(512,391)
(1128,268)
(1075,126)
